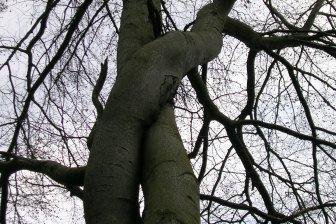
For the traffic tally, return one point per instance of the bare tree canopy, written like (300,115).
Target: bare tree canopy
(153,111)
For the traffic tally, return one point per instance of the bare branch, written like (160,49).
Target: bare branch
(98,87)
(250,85)
(111,18)
(276,13)
(311,18)
(73,26)
(56,171)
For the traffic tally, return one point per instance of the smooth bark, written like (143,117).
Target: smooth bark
(144,84)
(170,186)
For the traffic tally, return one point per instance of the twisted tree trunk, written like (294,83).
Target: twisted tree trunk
(137,125)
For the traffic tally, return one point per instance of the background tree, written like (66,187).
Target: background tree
(91,91)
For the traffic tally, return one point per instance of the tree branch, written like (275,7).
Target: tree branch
(67,176)
(250,85)
(256,40)
(111,18)
(72,28)
(98,87)
(311,18)
(276,13)
(239,206)
(262,214)
(4,196)
(287,131)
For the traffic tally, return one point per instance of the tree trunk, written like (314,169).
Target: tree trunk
(147,78)
(170,187)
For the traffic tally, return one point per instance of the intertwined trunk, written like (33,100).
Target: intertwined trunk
(136,139)
(170,187)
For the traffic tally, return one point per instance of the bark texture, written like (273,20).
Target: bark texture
(145,82)
(170,187)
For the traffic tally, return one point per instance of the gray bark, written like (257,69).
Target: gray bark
(170,187)
(144,83)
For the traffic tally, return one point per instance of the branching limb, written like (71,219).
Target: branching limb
(168,14)
(241,150)
(250,85)
(256,40)
(312,16)
(286,131)
(309,22)
(264,215)
(112,19)
(64,175)
(134,33)
(220,172)
(75,191)
(311,123)
(70,177)
(98,87)
(95,99)
(40,20)
(72,28)
(239,206)
(204,132)
(198,142)
(276,14)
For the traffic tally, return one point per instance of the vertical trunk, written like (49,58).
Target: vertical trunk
(170,187)
(146,80)
(135,31)
(113,167)
(121,146)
